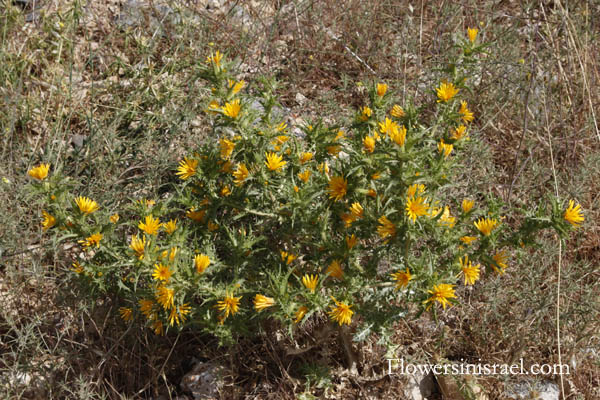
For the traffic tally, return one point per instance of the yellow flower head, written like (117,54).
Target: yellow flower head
(227,147)
(187,168)
(351,241)
(229,305)
(446,219)
(337,188)
(397,111)
(40,172)
(215,59)
(178,314)
(472,33)
(459,133)
(335,269)
(237,86)
(305,157)
(196,215)
(225,191)
(486,225)
(170,226)
(93,240)
(48,221)
(574,214)
(147,307)
(414,189)
(274,162)
(470,272)
(341,312)
(500,259)
(232,110)
(201,261)
(357,210)
(304,176)
(158,328)
(240,174)
(445,148)
(165,297)
(441,293)
(138,246)
(381,89)
(416,207)
(467,205)
(468,239)
(369,144)
(150,225)
(286,257)
(261,302)
(467,115)
(388,127)
(386,227)
(114,218)
(446,92)
(310,282)
(399,135)
(161,273)
(86,206)
(402,278)
(365,113)
(300,314)
(126,313)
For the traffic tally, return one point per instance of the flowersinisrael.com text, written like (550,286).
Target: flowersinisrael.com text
(400,367)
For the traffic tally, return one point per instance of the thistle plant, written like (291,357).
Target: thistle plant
(355,221)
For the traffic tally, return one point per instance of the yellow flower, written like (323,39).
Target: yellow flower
(305,157)
(178,314)
(399,135)
(365,113)
(397,111)
(92,240)
(446,92)
(237,86)
(386,228)
(114,218)
(470,272)
(340,135)
(304,176)
(187,168)
(170,226)
(335,269)
(261,302)
(381,89)
(150,226)
(288,258)
(86,206)
(459,133)
(232,110)
(574,214)
(447,219)
(444,148)
(48,221)
(77,268)
(215,59)
(468,239)
(500,259)
(402,278)
(274,162)
(441,293)
(341,312)
(467,205)
(388,127)
(467,115)
(486,225)
(147,307)
(348,219)
(212,226)
(300,314)
(369,144)
(337,188)
(310,282)
(229,305)
(225,191)
(40,172)
(164,297)
(416,207)
(372,193)
(376,175)
(161,273)
(227,147)
(126,313)
(196,215)
(414,189)
(158,328)
(351,241)
(472,33)
(323,167)
(357,210)
(201,261)
(213,107)
(138,246)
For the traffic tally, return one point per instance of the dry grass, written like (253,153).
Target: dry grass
(111,107)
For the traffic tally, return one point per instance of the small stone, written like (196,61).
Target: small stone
(204,381)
